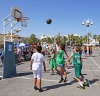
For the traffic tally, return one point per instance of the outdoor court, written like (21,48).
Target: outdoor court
(22,83)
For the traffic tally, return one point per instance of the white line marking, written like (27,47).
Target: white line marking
(41,79)
(48,69)
(50,80)
(95,63)
(0,76)
(82,70)
(25,69)
(23,77)
(26,78)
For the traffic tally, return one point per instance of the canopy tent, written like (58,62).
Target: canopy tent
(17,45)
(27,44)
(22,45)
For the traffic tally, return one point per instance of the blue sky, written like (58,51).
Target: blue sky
(66,15)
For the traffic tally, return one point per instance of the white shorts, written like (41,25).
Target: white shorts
(37,74)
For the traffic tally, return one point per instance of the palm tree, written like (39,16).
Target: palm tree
(95,37)
(71,39)
(89,35)
(64,39)
(98,38)
(49,40)
(85,39)
(79,40)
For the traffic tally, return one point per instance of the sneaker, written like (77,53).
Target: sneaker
(61,80)
(81,87)
(40,90)
(85,83)
(35,87)
(65,80)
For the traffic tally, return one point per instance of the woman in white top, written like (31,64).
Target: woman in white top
(36,65)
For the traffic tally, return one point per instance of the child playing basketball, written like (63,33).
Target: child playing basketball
(53,61)
(36,65)
(77,61)
(60,62)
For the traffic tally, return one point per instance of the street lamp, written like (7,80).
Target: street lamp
(87,22)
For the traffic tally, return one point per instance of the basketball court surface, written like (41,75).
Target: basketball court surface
(22,83)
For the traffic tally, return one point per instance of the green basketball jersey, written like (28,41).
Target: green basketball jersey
(76,58)
(60,57)
(53,60)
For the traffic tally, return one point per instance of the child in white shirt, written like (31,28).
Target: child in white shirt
(36,65)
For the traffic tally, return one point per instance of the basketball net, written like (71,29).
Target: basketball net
(23,20)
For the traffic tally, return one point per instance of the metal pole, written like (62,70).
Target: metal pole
(9,22)
(87,38)
(11,31)
(6,17)
(87,35)
(4,30)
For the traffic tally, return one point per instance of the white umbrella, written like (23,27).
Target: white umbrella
(21,45)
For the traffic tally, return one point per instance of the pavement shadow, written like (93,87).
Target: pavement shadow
(20,63)
(93,56)
(84,74)
(58,85)
(73,81)
(93,81)
(68,72)
(23,74)
(54,86)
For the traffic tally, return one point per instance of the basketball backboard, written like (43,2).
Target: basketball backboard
(16,13)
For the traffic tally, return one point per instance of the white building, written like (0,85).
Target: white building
(71,34)
(45,36)
(15,37)
(94,42)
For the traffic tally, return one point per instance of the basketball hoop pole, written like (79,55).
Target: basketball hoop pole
(4,30)
(11,31)
(11,26)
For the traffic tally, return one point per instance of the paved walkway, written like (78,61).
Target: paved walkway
(22,83)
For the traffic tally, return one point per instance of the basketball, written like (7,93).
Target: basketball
(48,21)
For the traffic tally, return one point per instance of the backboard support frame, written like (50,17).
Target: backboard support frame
(14,14)
(10,20)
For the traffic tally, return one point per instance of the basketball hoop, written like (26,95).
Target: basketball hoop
(23,20)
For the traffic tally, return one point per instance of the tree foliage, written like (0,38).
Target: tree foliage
(71,39)
(31,40)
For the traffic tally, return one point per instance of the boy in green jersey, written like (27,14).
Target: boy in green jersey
(60,62)
(77,61)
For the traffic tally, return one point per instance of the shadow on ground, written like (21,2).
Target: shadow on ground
(23,74)
(58,85)
(93,56)
(20,63)
(93,81)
